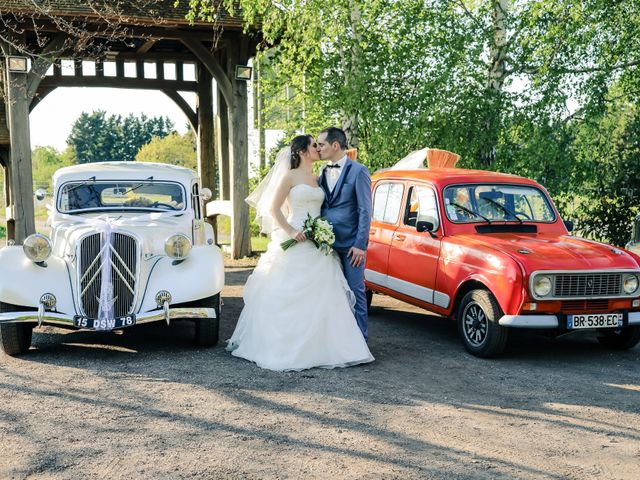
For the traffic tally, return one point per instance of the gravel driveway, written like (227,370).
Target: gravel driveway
(146,404)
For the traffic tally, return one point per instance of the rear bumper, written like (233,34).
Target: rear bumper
(60,319)
(548,321)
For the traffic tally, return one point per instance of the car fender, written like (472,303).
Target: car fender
(23,282)
(199,276)
(497,271)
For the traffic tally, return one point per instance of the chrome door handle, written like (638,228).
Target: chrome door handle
(400,237)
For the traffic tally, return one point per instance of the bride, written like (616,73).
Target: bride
(298,310)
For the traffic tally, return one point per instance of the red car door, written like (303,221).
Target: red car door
(413,255)
(387,201)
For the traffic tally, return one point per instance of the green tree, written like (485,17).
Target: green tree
(174,149)
(96,137)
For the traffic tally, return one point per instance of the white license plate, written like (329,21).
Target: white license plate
(594,320)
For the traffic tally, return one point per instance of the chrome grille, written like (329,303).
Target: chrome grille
(587,285)
(124,262)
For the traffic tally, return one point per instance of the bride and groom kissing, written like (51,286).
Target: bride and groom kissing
(303,308)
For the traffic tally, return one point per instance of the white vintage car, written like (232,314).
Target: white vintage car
(128,245)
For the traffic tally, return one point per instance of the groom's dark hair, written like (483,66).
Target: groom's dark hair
(335,134)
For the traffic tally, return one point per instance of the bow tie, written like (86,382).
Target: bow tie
(329,165)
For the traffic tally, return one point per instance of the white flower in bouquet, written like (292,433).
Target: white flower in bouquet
(319,231)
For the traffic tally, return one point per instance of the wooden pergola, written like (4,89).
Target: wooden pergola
(147,50)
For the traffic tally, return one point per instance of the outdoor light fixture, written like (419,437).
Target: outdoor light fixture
(243,72)
(17,64)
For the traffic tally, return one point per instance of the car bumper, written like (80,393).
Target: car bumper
(548,321)
(64,320)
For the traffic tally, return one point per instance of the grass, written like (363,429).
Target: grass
(3,232)
(259,244)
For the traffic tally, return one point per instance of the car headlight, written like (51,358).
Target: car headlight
(542,286)
(178,246)
(630,283)
(37,247)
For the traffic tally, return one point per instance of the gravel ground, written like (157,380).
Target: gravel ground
(147,404)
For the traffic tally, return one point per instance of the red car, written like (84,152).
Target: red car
(491,251)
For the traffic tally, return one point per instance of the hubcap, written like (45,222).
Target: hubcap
(475,324)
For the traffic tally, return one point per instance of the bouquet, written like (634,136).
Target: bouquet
(319,231)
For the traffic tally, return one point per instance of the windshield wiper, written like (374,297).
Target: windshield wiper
(503,208)
(475,214)
(84,183)
(133,189)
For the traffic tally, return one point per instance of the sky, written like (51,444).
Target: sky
(51,120)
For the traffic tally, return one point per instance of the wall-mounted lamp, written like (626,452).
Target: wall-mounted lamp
(17,64)
(243,72)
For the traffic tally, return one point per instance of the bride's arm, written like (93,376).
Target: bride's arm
(276,209)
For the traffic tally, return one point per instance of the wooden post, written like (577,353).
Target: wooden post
(239,128)
(20,211)
(206,148)
(222,147)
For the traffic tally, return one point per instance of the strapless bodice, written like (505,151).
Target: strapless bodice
(304,200)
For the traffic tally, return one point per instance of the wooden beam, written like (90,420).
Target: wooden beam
(77,67)
(119,68)
(222,146)
(159,69)
(239,156)
(115,82)
(146,46)
(184,106)
(39,96)
(212,64)
(42,62)
(20,218)
(99,67)
(206,147)
(139,69)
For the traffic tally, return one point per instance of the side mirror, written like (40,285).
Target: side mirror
(206,194)
(427,223)
(40,194)
(569,225)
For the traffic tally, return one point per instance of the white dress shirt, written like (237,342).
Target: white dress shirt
(333,174)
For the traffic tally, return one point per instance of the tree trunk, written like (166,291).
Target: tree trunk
(495,81)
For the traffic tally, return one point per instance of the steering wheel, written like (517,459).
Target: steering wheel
(161,204)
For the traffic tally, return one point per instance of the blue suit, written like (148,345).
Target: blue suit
(348,209)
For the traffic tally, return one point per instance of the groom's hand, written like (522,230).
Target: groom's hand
(357,256)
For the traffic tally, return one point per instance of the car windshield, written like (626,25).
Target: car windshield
(496,202)
(74,197)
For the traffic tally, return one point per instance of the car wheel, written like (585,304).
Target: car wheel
(207,329)
(477,317)
(15,338)
(621,339)
(369,298)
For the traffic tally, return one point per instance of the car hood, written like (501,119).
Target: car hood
(554,252)
(150,230)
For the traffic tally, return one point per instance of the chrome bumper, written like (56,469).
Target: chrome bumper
(547,321)
(529,321)
(61,319)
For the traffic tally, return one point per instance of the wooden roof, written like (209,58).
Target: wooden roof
(135,12)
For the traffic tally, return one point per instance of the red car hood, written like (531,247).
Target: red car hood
(552,252)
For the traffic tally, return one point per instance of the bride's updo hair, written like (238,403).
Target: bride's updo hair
(299,144)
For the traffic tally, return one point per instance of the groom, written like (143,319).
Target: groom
(347,206)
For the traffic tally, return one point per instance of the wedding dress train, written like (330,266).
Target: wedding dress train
(298,306)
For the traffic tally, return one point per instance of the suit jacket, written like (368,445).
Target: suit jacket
(348,207)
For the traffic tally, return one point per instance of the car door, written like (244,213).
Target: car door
(387,203)
(413,255)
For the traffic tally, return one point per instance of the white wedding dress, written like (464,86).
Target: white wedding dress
(298,306)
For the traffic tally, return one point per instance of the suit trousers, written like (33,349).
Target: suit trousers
(355,279)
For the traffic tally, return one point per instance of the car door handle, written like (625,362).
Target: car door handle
(400,237)
(372,232)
